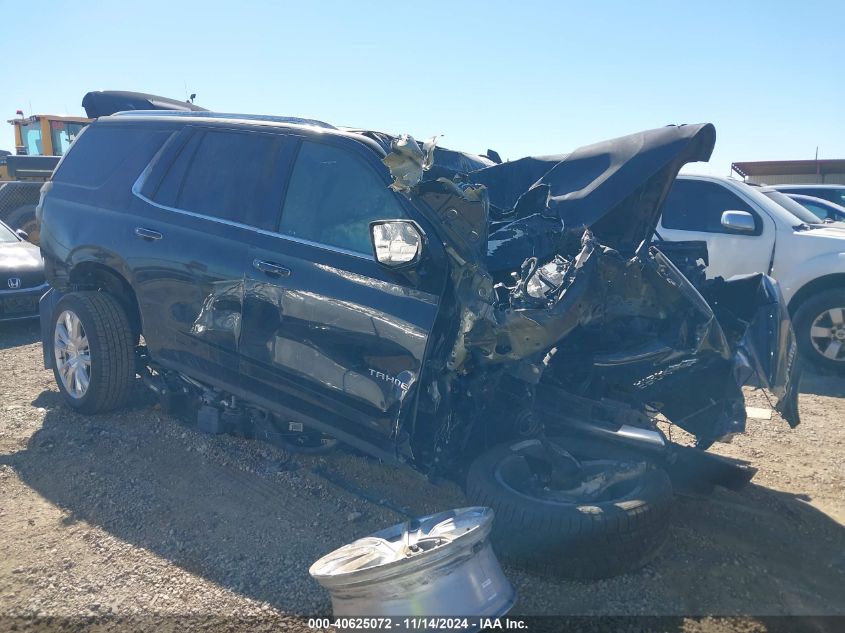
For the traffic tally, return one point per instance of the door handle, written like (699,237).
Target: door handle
(147,234)
(271,268)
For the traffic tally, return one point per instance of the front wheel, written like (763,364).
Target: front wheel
(820,330)
(578,516)
(93,351)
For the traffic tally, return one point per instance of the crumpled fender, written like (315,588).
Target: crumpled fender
(767,350)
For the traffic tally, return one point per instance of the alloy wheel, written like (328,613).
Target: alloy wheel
(828,334)
(72,354)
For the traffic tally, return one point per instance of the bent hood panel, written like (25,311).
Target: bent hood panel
(616,187)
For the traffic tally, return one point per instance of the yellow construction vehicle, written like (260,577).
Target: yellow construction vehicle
(42,139)
(46,134)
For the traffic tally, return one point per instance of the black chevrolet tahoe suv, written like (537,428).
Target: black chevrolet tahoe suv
(514,325)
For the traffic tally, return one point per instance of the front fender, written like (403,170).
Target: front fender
(797,275)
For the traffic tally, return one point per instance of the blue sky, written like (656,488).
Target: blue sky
(521,77)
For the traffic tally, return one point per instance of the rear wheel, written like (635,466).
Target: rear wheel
(586,517)
(93,351)
(820,329)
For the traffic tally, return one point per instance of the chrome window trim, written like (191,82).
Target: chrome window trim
(136,191)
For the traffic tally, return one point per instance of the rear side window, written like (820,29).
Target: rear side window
(695,205)
(332,198)
(229,175)
(102,151)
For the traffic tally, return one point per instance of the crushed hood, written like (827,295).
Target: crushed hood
(616,188)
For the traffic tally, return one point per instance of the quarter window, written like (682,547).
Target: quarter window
(107,150)
(332,198)
(230,175)
(694,205)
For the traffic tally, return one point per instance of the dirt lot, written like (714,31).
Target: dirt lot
(132,515)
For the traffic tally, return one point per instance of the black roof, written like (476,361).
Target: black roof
(105,102)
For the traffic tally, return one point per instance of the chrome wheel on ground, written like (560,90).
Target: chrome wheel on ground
(72,354)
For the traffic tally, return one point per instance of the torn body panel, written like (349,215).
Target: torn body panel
(554,285)
(616,188)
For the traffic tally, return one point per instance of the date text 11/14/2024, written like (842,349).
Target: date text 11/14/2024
(417,623)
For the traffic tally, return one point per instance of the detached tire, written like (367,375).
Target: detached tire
(820,330)
(93,352)
(586,540)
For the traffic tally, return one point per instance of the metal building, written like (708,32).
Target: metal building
(780,172)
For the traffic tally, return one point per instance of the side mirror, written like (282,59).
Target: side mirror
(396,243)
(739,221)
(22,234)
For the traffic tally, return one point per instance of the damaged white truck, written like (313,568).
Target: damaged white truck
(511,325)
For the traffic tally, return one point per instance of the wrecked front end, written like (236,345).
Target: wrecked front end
(565,316)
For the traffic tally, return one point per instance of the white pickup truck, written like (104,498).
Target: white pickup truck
(747,232)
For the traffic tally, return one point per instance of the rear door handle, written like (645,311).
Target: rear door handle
(147,234)
(271,268)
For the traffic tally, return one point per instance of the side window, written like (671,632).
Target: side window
(333,196)
(229,175)
(105,150)
(695,205)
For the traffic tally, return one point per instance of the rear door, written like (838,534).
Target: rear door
(197,209)
(326,330)
(693,212)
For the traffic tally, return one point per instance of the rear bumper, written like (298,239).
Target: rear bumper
(17,305)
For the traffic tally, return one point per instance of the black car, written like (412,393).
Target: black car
(824,210)
(21,276)
(510,324)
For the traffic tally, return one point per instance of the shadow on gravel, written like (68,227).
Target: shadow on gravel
(15,333)
(831,384)
(255,531)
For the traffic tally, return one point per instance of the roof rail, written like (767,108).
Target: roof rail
(226,115)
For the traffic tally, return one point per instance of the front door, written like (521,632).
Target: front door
(693,212)
(327,330)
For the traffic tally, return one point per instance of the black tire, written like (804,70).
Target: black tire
(111,351)
(576,540)
(806,315)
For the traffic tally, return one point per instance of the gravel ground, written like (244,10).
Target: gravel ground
(132,518)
